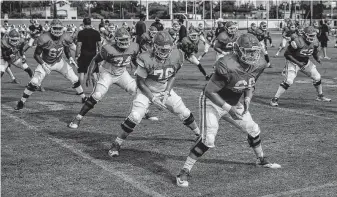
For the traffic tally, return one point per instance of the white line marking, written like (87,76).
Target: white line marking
(53,106)
(97,162)
(267,106)
(302,190)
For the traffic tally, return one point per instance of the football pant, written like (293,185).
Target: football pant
(210,114)
(3,65)
(291,69)
(193,59)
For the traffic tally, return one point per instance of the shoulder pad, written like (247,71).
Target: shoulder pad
(143,58)
(221,66)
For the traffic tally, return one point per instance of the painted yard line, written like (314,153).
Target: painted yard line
(97,162)
(302,190)
(267,106)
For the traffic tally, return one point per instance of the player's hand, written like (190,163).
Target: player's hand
(46,68)
(236,115)
(73,62)
(165,96)
(156,100)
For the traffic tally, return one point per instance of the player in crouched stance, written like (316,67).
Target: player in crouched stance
(48,54)
(234,76)
(301,47)
(155,73)
(116,57)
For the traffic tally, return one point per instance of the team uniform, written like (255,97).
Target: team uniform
(35,31)
(5,30)
(146,39)
(224,43)
(261,35)
(116,57)
(52,44)
(202,34)
(286,36)
(12,53)
(156,69)
(234,75)
(297,59)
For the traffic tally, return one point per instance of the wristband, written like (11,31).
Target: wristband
(226,107)
(224,53)
(71,59)
(247,99)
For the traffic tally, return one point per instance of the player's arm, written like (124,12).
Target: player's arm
(294,45)
(37,54)
(211,91)
(67,52)
(142,43)
(315,54)
(217,46)
(78,49)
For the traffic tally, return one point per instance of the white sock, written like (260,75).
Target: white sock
(79,117)
(258,151)
(197,131)
(119,140)
(319,89)
(279,92)
(189,163)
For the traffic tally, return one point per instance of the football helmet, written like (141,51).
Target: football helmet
(247,49)
(56,28)
(6,24)
(153,31)
(315,24)
(200,26)
(253,25)
(162,45)
(123,38)
(292,26)
(193,34)
(231,27)
(111,27)
(300,30)
(36,23)
(175,26)
(309,34)
(70,30)
(263,25)
(13,37)
(125,25)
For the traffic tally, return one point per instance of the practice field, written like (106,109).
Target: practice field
(41,156)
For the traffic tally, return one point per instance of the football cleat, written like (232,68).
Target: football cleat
(15,81)
(182,178)
(263,162)
(335,45)
(114,150)
(321,97)
(19,105)
(75,123)
(274,102)
(41,89)
(328,58)
(207,77)
(148,116)
(84,99)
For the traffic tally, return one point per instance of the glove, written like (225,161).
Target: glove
(72,62)
(46,68)
(165,96)
(155,100)
(236,115)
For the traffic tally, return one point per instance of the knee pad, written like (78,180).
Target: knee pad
(135,117)
(189,120)
(128,125)
(185,114)
(77,84)
(317,83)
(316,77)
(31,87)
(97,96)
(90,102)
(285,85)
(199,148)
(35,81)
(254,141)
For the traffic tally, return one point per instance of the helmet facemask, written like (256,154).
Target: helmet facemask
(152,33)
(162,52)
(231,29)
(264,27)
(193,36)
(14,41)
(56,30)
(123,42)
(310,37)
(248,55)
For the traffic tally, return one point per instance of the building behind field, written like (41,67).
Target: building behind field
(64,11)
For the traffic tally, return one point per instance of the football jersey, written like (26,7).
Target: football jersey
(227,42)
(116,60)
(146,42)
(157,73)
(7,50)
(5,31)
(53,49)
(189,47)
(303,50)
(234,79)
(251,31)
(260,34)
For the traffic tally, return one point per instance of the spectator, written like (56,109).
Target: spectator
(158,25)
(182,30)
(101,24)
(324,38)
(140,27)
(88,40)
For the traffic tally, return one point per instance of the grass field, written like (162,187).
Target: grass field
(41,156)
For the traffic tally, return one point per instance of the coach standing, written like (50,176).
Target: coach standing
(140,27)
(324,37)
(182,30)
(88,40)
(158,24)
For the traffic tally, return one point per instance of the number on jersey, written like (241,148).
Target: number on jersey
(163,74)
(55,52)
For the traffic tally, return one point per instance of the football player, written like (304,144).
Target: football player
(200,30)
(35,31)
(146,40)
(252,28)
(48,53)
(189,45)
(116,57)
(12,52)
(297,59)
(155,73)
(5,29)
(108,33)
(235,76)
(261,35)
(286,33)
(73,34)
(224,42)
(46,27)
(174,32)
